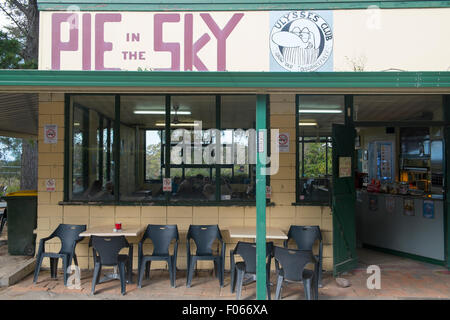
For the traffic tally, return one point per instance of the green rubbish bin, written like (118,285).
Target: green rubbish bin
(22,220)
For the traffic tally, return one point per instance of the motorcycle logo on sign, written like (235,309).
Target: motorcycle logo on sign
(301,41)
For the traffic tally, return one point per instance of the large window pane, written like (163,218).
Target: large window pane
(191,121)
(238,117)
(142,121)
(92,131)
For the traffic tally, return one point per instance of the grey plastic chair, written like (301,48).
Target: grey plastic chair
(204,237)
(161,237)
(305,237)
(292,269)
(247,268)
(106,253)
(69,234)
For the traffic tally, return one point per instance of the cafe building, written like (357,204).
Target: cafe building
(270,114)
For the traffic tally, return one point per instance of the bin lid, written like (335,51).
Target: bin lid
(22,193)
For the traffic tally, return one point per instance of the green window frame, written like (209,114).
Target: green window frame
(165,161)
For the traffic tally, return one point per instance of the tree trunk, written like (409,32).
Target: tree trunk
(28,177)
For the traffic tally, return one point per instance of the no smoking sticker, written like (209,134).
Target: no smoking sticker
(283,142)
(50,133)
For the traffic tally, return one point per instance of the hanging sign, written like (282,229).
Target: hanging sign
(283,142)
(345,167)
(167,184)
(50,133)
(50,185)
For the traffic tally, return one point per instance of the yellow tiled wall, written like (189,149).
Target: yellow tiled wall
(281,215)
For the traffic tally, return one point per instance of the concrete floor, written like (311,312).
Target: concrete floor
(401,278)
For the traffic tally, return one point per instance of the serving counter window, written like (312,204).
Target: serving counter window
(316,114)
(400,161)
(206,157)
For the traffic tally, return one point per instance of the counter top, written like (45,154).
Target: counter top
(424,197)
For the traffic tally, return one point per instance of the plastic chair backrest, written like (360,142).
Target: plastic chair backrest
(293,262)
(204,237)
(108,248)
(305,236)
(68,234)
(161,236)
(247,250)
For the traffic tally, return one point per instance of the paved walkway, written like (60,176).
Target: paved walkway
(400,279)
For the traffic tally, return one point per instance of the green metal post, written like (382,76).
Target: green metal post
(261,143)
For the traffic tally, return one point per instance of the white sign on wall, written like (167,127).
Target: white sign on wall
(283,142)
(50,133)
(50,185)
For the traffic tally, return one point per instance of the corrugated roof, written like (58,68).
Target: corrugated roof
(19,114)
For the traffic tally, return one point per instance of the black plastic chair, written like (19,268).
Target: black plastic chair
(305,237)
(161,237)
(106,253)
(247,268)
(292,269)
(69,234)
(204,237)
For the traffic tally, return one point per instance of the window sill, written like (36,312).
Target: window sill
(165,203)
(317,204)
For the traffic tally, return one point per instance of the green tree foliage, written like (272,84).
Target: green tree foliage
(10,162)
(9,52)
(315,160)
(24,28)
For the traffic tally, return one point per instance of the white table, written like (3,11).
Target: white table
(250,232)
(107,231)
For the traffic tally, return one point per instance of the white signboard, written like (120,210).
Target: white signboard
(187,41)
(283,142)
(50,185)
(50,133)
(167,184)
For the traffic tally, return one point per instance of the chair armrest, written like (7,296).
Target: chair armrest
(42,243)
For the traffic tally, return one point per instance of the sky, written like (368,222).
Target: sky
(3,20)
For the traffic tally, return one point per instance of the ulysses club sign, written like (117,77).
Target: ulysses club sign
(187,41)
(301,41)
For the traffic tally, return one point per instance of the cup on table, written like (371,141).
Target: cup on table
(118,226)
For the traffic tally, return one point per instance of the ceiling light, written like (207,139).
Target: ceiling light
(319,111)
(160,112)
(311,124)
(179,124)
